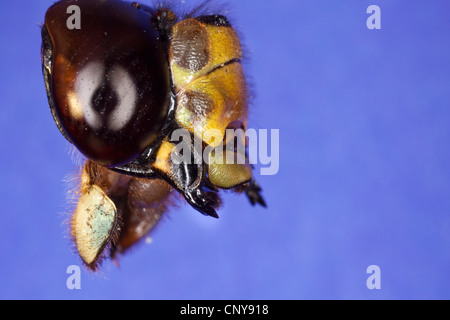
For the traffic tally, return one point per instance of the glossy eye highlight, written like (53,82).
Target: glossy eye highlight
(108,82)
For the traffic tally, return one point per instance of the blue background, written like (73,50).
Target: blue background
(364,175)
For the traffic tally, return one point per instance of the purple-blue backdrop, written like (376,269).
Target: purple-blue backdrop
(364,120)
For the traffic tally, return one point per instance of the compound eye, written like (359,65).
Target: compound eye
(108,82)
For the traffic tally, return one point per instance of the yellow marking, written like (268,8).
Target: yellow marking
(227,176)
(227,88)
(224,46)
(163,157)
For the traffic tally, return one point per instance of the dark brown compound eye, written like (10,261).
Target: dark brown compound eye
(107,78)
